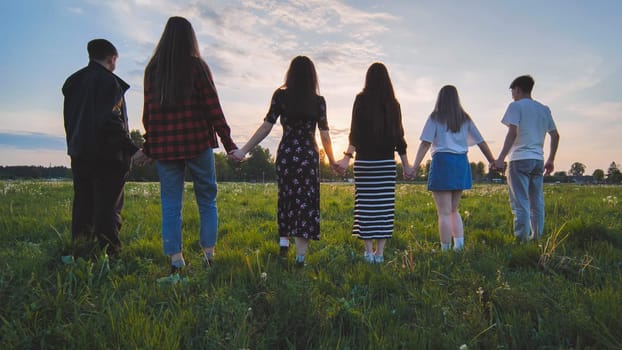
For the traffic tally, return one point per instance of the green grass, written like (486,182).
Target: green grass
(561,293)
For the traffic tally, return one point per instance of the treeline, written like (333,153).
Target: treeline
(34,172)
(259,166)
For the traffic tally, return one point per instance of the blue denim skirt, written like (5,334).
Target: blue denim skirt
(449,172)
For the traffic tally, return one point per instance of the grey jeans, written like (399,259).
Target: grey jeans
(525,179)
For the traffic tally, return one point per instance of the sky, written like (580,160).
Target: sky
(570,47)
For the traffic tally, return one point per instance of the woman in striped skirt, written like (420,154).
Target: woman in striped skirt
(376,133)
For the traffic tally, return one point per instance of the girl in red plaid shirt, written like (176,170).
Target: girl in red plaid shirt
(182,116)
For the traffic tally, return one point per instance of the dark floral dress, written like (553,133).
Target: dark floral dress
(297,167)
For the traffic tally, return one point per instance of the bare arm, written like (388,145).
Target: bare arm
(345,161)
(407,171)
(424,146)
(507,145)
(261,133)
(483,146)
(549,166)
(328,146)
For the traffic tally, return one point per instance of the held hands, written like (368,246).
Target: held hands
(236,155)
(336,170)
(140,159)
(497,165)
(408,172)
(341,166)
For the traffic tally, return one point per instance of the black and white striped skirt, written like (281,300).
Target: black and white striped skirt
(374,203)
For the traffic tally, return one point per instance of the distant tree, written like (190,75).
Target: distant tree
(326,173)
(421,172)
(427,169)
(481,169)
(560,176)
(259,166)
(399,172)
(614,176)
(34,172)
(137,138)
(599,175)
(226,170)
(477,171)
(577,169)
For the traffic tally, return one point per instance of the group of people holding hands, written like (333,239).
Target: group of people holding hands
(182,117)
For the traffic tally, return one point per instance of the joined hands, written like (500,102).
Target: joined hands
(236,155)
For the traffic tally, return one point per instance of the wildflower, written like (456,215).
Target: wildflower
(264,276)
(466,214)
(463,347)
(480,292)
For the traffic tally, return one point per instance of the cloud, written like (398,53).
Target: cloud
(246,41)
(320,16)
(11,156)
(32,141)
(603,113)
(34,120)
(75,10)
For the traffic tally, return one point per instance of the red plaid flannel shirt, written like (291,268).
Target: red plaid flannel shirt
(186,130)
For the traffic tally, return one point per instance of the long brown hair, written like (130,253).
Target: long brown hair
(378,90)
(448,109)
(170,70)
(302,86)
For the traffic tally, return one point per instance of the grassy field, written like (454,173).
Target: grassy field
(560,293)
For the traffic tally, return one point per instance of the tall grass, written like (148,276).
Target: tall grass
(562,292)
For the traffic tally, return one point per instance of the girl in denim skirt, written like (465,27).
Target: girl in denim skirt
(449,131)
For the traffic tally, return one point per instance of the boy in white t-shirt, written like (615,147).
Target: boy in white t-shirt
(528,122)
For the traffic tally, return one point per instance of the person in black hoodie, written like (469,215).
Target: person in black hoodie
(100,148)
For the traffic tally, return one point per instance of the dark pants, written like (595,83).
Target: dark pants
(97,202)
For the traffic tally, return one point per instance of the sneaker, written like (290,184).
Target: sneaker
(378,259)
(174,277)
(300,261)
(369,257)
(67,259)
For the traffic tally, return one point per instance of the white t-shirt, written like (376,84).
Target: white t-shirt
(443,140)
(533,121)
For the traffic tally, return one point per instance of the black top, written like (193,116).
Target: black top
(95,114)
(371,141)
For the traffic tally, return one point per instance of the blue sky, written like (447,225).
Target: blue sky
(569,47)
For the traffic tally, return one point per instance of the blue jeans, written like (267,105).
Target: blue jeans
(171,174)
(525,179)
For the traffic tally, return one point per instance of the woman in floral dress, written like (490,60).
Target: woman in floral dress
(301,109)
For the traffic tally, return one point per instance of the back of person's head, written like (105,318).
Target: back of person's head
(525,83)
(178,39)
(378,82)
(301,76)
(379,102)
(448,109)
(302,87)
(170,67)
(100,49)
